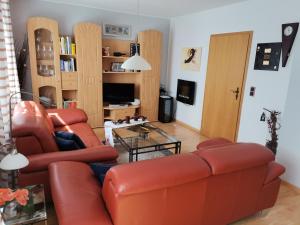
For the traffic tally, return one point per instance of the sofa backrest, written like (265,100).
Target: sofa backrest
(162,191)
(32,127)
(213,186)
(238,175)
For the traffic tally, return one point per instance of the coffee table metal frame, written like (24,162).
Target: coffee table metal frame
(134,152)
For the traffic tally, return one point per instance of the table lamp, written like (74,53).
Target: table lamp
(13,161)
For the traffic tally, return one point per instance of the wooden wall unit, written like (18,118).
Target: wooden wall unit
(89,68)
(151,45)
(84,85)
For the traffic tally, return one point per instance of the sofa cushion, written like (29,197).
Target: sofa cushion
(84,131)
(68,141)
(236,157)
(212,143)
(77,195)
(100,170)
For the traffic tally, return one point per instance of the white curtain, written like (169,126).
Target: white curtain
(8,75)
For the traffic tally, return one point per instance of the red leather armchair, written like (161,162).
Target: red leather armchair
(212,186)
(33,130)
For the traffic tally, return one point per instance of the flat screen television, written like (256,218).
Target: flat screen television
(186,91)
(118,93)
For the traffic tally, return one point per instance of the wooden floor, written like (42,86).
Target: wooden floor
(285,212)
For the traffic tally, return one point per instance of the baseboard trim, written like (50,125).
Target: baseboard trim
(187,126)
(293,187)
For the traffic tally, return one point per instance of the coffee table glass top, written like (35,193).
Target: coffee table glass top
(34,211)
(144,136)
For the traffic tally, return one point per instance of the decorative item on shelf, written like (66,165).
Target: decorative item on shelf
(136,102)
(289,32)
(119,54)
(117,67)
(273,126)
(123,31)
(70,104)
(105,51)
(128,118)
(134,47)
(136,62)
(268,56)
(190,59)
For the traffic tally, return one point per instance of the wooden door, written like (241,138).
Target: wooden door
(89,68)
(150,44)
(226,73)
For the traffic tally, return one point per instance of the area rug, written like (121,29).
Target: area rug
(124,155)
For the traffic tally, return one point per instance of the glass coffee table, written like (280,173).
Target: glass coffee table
(145,138)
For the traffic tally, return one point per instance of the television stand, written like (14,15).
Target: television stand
(120,112)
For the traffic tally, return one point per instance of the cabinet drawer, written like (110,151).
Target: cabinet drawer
(69,81)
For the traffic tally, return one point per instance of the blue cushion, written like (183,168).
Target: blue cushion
(100,170)
(68,141)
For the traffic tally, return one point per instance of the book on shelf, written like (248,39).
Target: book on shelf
(68,65)
(66,46)
(70,104)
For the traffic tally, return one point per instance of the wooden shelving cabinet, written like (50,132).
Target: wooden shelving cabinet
(84,84)
(147,83)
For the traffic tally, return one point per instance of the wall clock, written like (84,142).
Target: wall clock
(289,32)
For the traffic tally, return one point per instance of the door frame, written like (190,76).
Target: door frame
(250,33)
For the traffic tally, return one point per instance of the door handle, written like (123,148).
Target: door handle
(236,92)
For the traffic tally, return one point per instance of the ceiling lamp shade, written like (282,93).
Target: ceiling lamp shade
(14,161)
(136,62)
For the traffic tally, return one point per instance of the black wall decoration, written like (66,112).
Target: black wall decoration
(289,32)
(268,56)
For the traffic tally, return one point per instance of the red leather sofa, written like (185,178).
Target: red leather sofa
(33,130)
(218,184)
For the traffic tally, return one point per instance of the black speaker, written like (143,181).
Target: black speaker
(165,114)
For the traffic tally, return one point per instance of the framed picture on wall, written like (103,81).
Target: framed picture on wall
(123,31)
(190,59)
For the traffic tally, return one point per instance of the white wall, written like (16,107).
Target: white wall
(289,135)
(264,18)
(271,87)
(68,15)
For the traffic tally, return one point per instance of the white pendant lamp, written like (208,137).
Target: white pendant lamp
(136,62)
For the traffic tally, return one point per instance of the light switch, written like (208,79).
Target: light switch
(252,91)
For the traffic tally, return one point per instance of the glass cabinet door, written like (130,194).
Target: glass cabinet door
(44,52)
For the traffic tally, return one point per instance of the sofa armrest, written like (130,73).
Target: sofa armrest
(40,162)
(275,170)
(63,117)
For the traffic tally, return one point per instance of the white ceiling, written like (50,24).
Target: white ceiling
(156,8)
